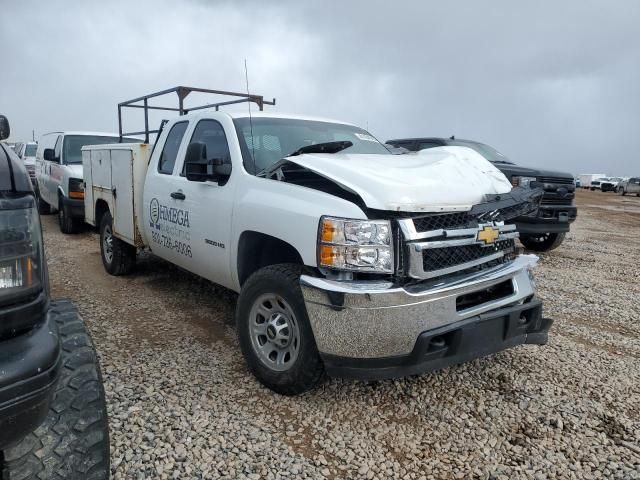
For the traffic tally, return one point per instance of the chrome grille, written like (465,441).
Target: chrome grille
(440,252)
(435,259)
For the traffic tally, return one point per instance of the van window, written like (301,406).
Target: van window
(57,151)
(73,145)
(171,147)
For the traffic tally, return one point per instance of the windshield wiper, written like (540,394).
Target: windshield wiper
(326,147)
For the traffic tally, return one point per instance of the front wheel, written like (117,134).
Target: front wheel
(274,331)
(542,242)
(118,257)
(73,441)
(43,207)
(68,224)
(621,191)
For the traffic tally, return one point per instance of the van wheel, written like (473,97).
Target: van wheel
(43,207)
(118,257)
(73,441)
(542,242)
(274,331)
(67,223)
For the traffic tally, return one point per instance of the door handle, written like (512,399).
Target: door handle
(178,195)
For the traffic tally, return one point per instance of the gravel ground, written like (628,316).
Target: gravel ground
(183,405)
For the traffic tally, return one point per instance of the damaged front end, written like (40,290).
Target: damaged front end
(441,244)
(459,292)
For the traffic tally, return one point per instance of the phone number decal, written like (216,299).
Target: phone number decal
(175,245)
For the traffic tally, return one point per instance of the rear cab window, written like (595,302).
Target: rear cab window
(171,147)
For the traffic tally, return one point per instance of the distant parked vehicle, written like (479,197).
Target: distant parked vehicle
(540,231)
(629,186)
(59,182)
(595,184)
(27,153)
(587,178)
(611,184)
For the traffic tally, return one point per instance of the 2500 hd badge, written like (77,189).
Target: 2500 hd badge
(170,227)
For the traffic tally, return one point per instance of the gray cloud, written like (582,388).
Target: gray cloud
(550,84)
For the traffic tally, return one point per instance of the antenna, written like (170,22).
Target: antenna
(253,148)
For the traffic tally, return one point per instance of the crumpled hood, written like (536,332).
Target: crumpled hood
(434,180)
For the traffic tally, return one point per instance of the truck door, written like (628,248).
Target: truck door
(164,216)
(209,206)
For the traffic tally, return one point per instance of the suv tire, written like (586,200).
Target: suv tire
(73,442)
(118,257)
(621,191)
(543,242)
(67,223)
(278,286)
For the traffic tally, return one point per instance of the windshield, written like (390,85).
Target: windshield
(30,150)
(490,153)
(276,138)
(73,144)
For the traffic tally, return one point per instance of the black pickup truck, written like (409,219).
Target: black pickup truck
(541,231)
(53,420)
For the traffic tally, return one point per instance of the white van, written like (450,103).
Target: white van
(59,181)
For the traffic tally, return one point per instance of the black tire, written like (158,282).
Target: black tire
(123,256)
(43,207)
(621,191)
(543,242)
(67,223)
(307,369)
(73,441)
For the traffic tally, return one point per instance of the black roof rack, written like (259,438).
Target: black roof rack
(182,93)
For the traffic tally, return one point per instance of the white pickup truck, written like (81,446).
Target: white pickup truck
(348,260)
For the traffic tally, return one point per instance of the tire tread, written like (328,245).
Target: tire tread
(58,449)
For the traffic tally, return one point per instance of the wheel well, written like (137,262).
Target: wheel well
(101,208)
(257,250)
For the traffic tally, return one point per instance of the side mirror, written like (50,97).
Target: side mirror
(5,130)
(49,154)
(199,169)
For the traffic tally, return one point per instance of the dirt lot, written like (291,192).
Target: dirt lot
(183,405)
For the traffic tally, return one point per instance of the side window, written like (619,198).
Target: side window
(211,133)
(57,150)
(171,147)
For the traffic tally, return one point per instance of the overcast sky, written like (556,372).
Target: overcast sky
(550,84)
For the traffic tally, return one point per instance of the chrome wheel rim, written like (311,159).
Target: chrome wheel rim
(107,244)
(275,336)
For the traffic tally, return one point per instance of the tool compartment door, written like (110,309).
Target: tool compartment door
(122,181)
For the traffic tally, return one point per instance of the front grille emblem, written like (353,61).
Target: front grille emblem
(488,235)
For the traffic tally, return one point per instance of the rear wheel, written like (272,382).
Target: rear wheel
(274,331)
(118,257)
(73,441)
(542,242)
(68,224)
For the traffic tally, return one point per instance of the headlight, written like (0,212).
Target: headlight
(21,271)
(76,188)
(522,181)
(356,245)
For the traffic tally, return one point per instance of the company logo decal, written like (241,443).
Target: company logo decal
(488,235)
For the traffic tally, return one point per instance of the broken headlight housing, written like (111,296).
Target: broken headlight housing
(21,259)
(355,245)
(522,181)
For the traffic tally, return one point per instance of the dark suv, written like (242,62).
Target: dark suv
(541,231)
(53,421)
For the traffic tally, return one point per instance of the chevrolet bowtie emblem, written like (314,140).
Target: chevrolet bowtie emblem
(488,235)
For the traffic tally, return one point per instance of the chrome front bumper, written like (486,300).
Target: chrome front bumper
(374,319)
